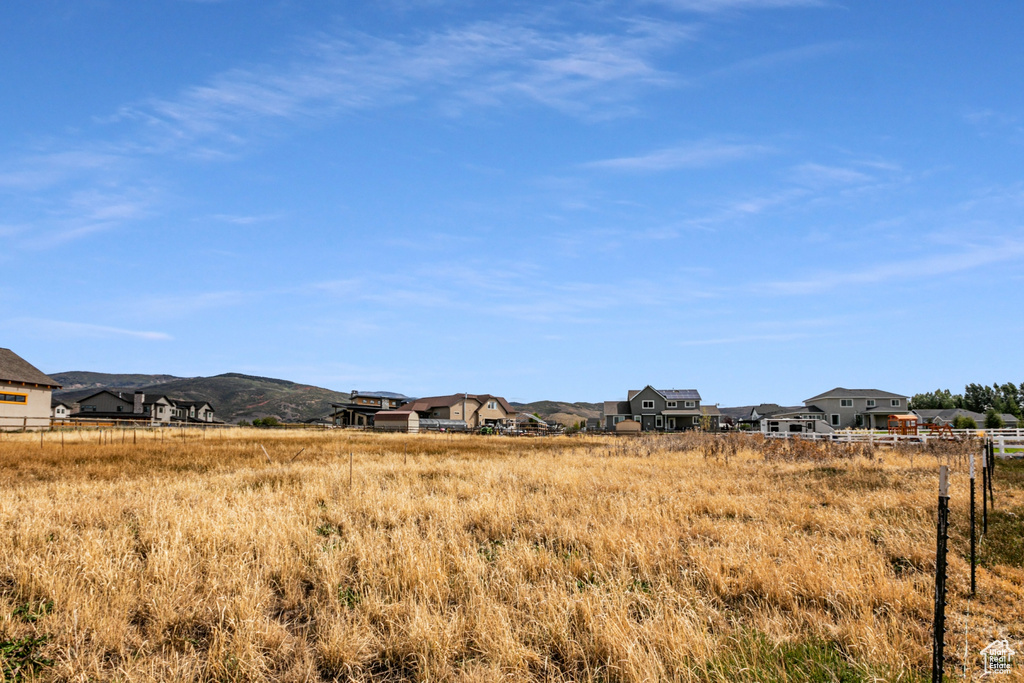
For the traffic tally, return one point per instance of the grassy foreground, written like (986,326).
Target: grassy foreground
(484,558)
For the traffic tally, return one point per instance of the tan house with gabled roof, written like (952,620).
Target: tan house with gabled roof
(476,410)
(25,393)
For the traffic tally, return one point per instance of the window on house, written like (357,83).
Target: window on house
(846,403)
(835,420)
(690,404)
(647,405)
(13,398)
(88,409)
(871,403)
(617,419)
(696,420)
(671,404)
(492,405)
(658,422)
(895,403)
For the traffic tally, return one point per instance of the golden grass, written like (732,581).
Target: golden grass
(478,559)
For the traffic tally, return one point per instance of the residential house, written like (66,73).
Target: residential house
(734,415)
(946,416)
(666,410)
(25,393)
(59,410)
(115,405)
(858,408)
(476,410)
(359,410)
(193,411)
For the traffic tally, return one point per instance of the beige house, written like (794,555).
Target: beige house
(476,410)
(59,410)
(25,393)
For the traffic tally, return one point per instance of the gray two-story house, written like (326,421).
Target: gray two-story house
(668,410)
(858,408)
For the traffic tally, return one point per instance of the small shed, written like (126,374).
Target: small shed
(628,427)
(397,421)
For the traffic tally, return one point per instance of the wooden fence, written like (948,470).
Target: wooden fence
(25,423)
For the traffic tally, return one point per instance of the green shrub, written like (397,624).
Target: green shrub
(993,420)
(964,422)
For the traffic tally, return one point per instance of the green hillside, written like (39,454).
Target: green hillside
(234,396)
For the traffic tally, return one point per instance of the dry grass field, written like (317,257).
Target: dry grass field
(462,558)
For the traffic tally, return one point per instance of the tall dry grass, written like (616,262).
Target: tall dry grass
(477,559)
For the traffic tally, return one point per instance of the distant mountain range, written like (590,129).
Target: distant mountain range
(237,397)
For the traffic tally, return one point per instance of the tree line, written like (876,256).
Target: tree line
(978,398)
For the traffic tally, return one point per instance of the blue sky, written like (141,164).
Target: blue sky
(760,199)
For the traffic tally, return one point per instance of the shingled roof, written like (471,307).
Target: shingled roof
(841,392)
(430,402)
(14,368)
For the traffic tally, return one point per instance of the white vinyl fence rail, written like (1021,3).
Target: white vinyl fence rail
(1007,442)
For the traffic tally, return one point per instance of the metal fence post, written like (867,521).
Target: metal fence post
(991,473)
(939,626)
(974,544)
(984,496)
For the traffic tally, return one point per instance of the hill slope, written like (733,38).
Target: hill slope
(234,396)
(81,380)
(561,411)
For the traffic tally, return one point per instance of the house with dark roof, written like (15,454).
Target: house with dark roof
(193,411)
(946,416)
(359,409)
(663,410)
(109,404)
(476,410)
(25,393)
(858,408)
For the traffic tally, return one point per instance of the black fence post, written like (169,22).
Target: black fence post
(991,472)
(984,496)
(974,544)
(939,626)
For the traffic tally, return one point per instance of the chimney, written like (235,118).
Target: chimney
(140,398)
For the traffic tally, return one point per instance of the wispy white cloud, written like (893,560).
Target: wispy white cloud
(718,6)
(185,304)
(75,330)
(84,213)
(246,220)
(779,58)
(816,175)
(697,155)
(484,64)
(35,171)
(914,269)
(744,339)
